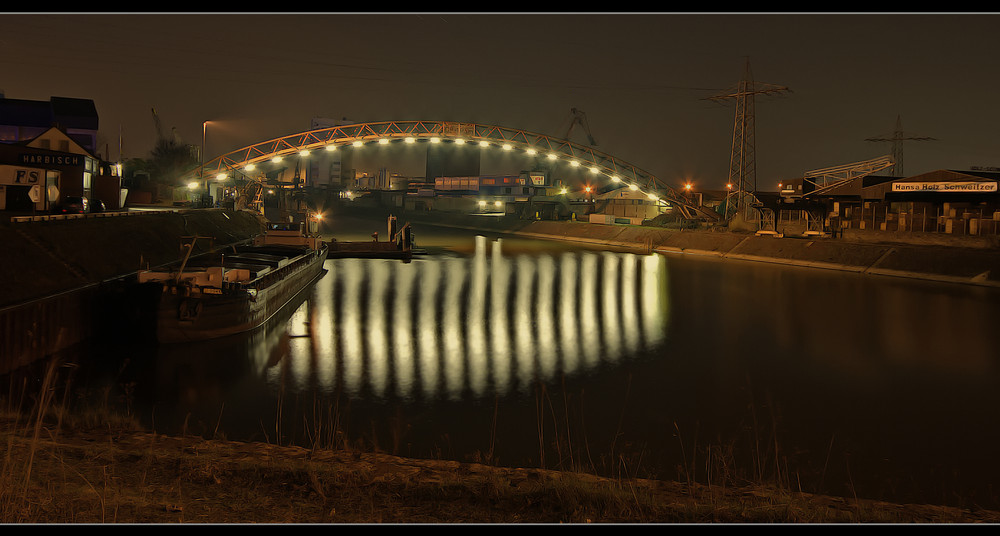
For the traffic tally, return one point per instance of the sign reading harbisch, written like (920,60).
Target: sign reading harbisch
(51,159)
(952,186)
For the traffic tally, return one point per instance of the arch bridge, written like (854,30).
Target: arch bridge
(244,161)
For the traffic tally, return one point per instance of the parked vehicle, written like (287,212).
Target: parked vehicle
(97,205)
(72,205)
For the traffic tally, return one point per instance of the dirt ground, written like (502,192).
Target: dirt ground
(101,476)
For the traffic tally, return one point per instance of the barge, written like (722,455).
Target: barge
(235,290)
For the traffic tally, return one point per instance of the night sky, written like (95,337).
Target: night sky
(641,78)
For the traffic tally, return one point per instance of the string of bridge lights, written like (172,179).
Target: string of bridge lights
(530,151)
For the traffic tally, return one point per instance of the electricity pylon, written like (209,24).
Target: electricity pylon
(897,140)
(742,164)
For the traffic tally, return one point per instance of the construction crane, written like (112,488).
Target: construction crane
(156,123)
(175,138)
(897,140)
(578,117)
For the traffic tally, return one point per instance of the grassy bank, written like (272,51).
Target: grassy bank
(69,461)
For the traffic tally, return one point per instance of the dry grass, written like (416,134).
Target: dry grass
(94,466)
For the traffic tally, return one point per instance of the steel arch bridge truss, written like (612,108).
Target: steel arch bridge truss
(534,144)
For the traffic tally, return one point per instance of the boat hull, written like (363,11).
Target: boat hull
(189,317)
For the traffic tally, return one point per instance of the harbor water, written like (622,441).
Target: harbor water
(545,354)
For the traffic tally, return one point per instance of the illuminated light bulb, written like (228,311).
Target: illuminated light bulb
(552,156)
(531,152)
(410,139)
(383,141)
(250,167)
(459,141)
(482,203)
(358,143)
(633,187)
(574,163)
(331,147)
(484,143)
(507,147)
(497,203)
(303,152)
(193,185)
(562,191)
(616,178)
(651,196)
(220,177)
(593,169)
(276,159)
(435,139)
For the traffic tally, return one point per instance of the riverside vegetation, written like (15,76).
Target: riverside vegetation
(70,457)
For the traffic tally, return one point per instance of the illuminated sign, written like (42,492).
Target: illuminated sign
(51,159)
(951,186)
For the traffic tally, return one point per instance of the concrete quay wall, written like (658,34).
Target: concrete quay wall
(960,263)
(64,279)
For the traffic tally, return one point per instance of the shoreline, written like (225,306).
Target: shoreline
(957,264)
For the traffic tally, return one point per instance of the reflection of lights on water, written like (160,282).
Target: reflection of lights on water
(454,349)
(500,341)
(545,327)
(402,333)
(430,281)
(479,326)
(524,355)
(351,332)
(476,321)
(375,331)
(589,337)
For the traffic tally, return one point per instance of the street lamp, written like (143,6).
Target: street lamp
(201,168)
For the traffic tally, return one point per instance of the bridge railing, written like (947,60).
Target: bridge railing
(533,143)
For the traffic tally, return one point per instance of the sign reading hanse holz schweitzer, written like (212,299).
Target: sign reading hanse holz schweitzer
(950,186)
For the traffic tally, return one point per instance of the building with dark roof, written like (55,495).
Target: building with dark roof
(48,152)
(23,120)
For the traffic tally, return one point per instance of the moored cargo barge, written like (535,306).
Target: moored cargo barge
(235,290)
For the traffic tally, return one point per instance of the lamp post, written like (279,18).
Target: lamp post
(201,167)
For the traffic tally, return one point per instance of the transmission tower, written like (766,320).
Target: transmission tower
(897,140)
(742,164)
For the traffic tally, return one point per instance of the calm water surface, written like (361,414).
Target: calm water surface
(543,354)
